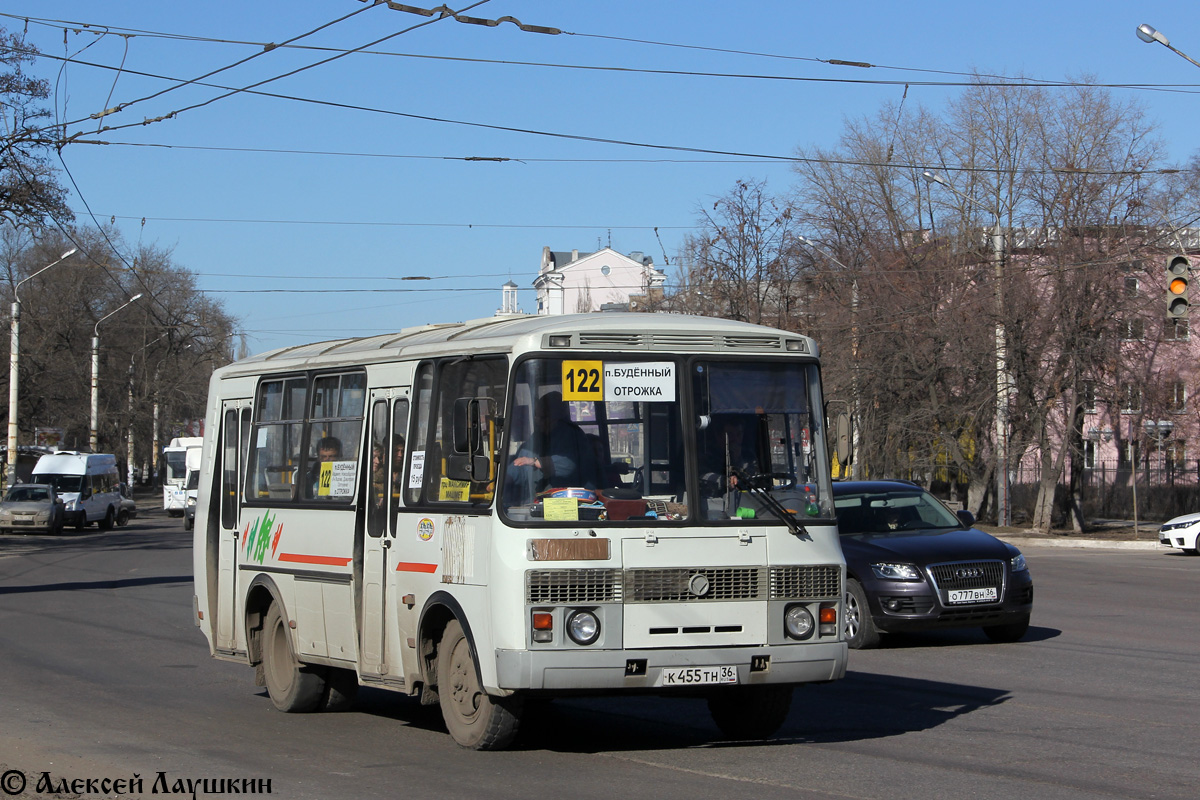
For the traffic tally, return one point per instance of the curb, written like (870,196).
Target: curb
(1100,544)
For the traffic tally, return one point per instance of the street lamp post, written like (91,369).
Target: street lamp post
(1003,390)
(1149,35)
(14,357)
(96,370)
(855,469)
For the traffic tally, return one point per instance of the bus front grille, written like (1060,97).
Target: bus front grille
(800,583)
(679,584)
(569,586)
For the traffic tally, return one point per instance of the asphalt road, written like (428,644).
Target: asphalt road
(104,676)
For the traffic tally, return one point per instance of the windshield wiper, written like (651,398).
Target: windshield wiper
(771,504)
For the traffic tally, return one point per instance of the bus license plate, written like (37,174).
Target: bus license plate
(987,595)
(697,676)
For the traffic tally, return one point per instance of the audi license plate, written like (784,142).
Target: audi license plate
(988,595)
(697,676)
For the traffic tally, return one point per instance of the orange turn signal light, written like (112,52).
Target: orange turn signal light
(543,621)
(828,614)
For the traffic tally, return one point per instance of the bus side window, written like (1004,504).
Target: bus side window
(398,452)
(483,379)
(377,477)
(275,444)
(338,403)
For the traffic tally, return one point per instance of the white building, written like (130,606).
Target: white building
(574,282)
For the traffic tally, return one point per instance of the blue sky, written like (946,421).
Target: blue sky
(335,192)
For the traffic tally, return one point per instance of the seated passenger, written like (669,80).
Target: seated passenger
(329,449)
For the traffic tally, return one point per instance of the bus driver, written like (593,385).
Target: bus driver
(557,454)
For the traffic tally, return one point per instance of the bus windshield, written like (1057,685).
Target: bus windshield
(607,440)
(176,465)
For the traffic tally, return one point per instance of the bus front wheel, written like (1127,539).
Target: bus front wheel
(750,712)
(292,686)
(474,718)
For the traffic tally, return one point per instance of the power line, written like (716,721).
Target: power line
(973,78)
(362,223)
(762,157)
(494,159)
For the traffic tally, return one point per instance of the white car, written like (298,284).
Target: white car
(1181,532)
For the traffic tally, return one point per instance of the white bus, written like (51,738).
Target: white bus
(514,508)
(175,457)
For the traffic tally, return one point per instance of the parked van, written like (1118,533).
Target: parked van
(88,484)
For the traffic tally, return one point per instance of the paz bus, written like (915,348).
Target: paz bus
(488,513)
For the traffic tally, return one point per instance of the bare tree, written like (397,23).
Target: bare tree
(158,353)
(742,263)
(30,194)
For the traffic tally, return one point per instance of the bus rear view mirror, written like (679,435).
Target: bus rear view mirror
(474,434)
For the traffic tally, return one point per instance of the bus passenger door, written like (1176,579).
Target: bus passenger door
(235,430)
(378,615)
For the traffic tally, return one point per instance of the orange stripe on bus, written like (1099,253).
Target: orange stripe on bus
(300,558)
(410,566)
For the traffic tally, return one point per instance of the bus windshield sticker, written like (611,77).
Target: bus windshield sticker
(561,508)
(451,491)
(582,380)
(652,381)
(416,470)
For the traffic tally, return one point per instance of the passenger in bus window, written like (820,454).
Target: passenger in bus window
(557,454)
(378,474)
(329,448)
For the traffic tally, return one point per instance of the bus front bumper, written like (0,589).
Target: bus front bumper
(603,670)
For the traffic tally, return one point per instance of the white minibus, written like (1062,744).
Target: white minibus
(489,513)
(88,484)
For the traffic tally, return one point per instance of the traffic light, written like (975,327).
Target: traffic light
(1178,272)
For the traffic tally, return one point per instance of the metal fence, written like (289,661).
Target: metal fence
(1150,490)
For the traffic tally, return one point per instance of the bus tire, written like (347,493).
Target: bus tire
(81,521)
(750,712)
(106,524)
(474,719)
(341,687)
(293,687)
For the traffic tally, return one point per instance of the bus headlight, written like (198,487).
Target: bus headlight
(798,622)
(583,627)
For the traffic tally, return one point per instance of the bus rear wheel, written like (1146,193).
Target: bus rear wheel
(475,719)
(750,712)
(292,686)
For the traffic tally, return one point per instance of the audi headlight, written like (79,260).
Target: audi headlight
(896,572)
(1018,563)
(798,622)
(583,627)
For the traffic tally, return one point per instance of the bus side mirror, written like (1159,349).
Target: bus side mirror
(474,428)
